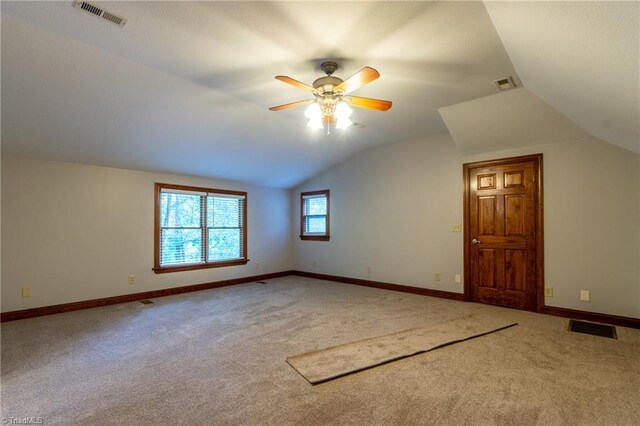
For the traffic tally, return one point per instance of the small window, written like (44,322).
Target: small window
(198,228)
(314,215)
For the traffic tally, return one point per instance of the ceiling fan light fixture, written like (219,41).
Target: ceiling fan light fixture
(343,111)
(314,112)
(342,114)
(343,123)
(315,124)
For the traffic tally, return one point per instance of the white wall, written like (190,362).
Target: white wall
(75,232)
(592,211)
(392,207)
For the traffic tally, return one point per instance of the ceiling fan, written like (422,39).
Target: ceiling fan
(331,97)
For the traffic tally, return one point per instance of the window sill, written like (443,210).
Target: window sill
(315,237)
(195,266)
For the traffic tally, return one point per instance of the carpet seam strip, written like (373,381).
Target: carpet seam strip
(392,358)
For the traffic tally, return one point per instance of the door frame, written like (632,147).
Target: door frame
(539,221)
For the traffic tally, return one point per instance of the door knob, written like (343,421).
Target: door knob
(474,241)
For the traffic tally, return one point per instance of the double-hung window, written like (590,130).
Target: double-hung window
(199,228)
(314,215)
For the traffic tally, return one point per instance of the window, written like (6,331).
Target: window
(198,228)
(314,215)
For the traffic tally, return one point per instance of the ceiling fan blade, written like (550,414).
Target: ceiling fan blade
(368,103)
(295,82)
(291,105)
(365,76)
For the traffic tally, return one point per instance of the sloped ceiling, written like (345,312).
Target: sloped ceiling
(582,58)
(184,87)
(512,119)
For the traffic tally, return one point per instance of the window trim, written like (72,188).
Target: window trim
(157,268)
(326,236)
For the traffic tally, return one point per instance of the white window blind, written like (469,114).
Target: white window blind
(224,227)
(314,214)
(200,227)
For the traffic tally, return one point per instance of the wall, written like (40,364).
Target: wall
(75,232)
(592,210)
(392,207)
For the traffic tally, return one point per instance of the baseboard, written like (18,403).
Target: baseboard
(549,310)
(86,304)
(386,286)
(592,316)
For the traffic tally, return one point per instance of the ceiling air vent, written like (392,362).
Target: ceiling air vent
(98,11)
(505,83)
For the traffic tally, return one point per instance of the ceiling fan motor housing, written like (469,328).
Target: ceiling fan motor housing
(326,84)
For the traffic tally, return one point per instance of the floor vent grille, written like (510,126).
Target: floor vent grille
(146,302)
(261,282)
(592,328)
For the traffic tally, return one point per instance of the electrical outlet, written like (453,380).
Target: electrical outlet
(548,291)
(314,264)
(368,270)
(585,295)
(132,279)
(437,276)
(26,291)
(456,228)
(258,266)
(458,278)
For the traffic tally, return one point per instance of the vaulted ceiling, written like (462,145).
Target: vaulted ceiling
(582,58)
(185,87)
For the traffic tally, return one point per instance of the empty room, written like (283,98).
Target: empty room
(320,213)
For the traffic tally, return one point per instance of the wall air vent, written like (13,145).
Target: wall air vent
(98,11)
(505,83)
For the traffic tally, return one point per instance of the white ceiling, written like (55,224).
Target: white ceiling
(184,87)
(512,119)
(583,58)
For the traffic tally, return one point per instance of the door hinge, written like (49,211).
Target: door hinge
(534,234)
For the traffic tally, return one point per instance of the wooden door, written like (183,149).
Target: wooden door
(503,232)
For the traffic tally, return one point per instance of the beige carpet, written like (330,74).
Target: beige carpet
(217,357)
(337,361)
